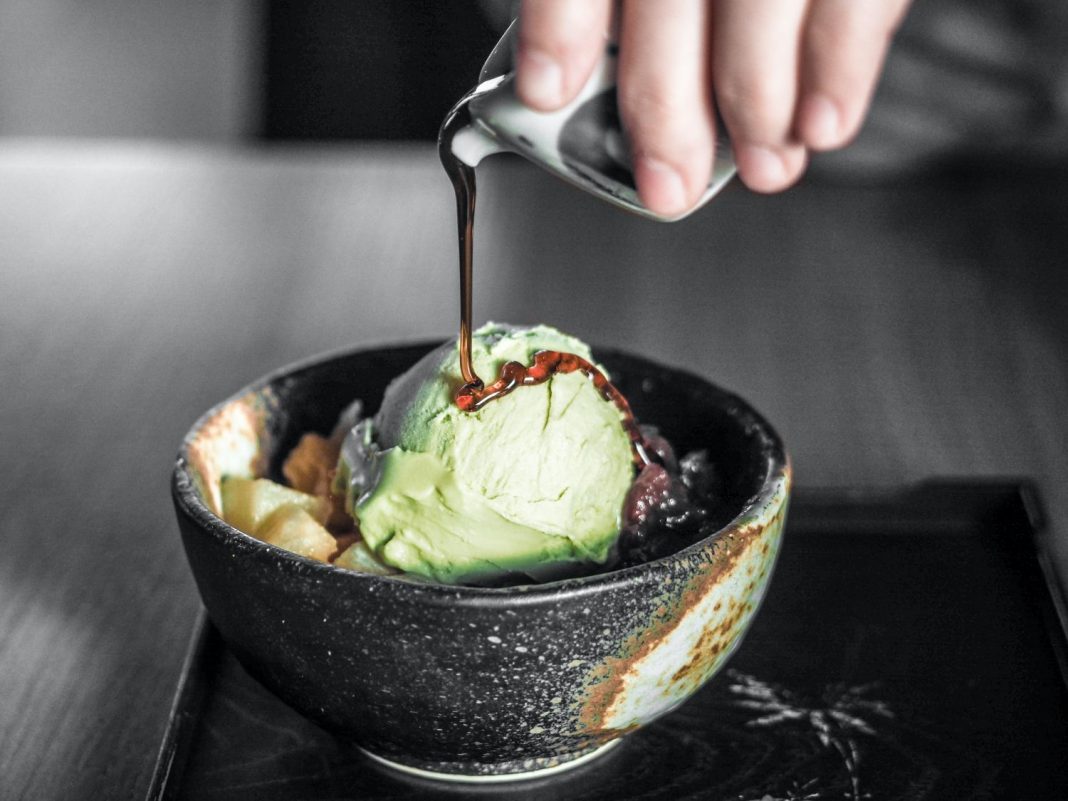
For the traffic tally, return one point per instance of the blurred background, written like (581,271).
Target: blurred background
(965,78)
(238,69)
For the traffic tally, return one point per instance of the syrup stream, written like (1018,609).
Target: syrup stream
(463,182)
(473,395)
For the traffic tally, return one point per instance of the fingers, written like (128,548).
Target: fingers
(789,76)
(559,43)
(755,66)
(665,100)
(845,43)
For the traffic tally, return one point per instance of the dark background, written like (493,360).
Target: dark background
(965,80)
(979,77)
(368,70)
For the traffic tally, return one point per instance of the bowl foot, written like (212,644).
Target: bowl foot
(491,772)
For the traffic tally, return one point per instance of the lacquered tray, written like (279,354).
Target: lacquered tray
(912,645)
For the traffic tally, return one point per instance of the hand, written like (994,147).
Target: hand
(789,77)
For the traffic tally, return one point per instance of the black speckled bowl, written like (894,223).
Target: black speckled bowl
(470,683)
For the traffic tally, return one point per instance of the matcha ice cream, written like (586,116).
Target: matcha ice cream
(531,484)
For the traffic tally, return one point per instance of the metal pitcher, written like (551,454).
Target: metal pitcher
(583,142)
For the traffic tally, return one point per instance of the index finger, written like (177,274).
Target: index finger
(559,44)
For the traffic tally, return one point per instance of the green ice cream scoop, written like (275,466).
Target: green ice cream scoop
(533,483)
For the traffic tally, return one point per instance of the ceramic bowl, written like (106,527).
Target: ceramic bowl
(479,683)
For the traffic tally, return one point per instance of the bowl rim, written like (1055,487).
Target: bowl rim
(772,495)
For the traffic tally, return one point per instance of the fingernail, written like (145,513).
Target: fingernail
(761,168)
(661,187)
(820,122)
(540,80)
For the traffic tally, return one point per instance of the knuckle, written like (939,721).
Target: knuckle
(659,106)
(824,37)
(657,101)
(665,125)
(755,104)
(567,33)
(560,50)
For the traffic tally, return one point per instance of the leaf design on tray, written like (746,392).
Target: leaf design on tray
(799,792)
(835,717)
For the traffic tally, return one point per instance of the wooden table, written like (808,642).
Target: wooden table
(892,332)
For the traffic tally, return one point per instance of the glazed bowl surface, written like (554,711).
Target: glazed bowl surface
(479,682)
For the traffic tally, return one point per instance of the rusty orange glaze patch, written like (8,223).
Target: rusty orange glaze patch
(233,441)
(607,679)
(607,683)
(712,643)
(715,641)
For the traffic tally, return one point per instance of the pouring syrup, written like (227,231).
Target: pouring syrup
(474,394)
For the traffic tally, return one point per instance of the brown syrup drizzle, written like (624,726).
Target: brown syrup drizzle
(463,183)
(473,395)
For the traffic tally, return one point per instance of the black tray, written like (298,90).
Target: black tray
(913,645)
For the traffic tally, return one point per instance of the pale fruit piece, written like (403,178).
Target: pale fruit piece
(292,528)
(247,502)
(360,558)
